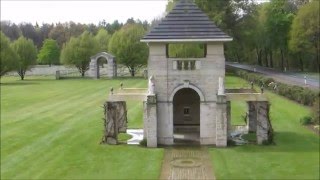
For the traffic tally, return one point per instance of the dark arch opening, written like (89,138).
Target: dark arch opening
(102,66)
(186,116)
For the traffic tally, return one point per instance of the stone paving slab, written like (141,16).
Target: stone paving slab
(137,136)
(187,163)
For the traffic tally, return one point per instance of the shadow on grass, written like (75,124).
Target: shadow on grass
(101,78)
(21,83)
(76,78)
(285,142)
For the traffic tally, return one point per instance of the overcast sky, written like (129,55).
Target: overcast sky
(50,11)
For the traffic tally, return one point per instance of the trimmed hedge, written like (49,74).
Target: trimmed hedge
(299,94)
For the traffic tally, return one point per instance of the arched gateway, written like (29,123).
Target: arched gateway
(111,65)
(186,115)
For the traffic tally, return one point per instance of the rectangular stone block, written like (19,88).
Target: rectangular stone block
(151,122)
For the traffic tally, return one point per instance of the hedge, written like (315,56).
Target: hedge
(299,94)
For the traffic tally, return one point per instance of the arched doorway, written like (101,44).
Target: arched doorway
(111,66)
(102,67)
(186,116)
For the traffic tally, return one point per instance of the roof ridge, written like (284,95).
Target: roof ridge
(186,21)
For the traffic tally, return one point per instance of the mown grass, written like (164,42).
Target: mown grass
(294,156)
(52,129)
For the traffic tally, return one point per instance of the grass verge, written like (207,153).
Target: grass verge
(51,129)
(294,156)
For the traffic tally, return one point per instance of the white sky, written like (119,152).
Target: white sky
(51,11)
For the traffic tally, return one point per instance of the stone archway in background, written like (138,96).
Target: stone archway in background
(111,65)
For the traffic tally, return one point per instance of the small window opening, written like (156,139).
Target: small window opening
(186,50)
(186,111)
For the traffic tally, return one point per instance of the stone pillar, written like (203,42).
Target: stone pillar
(221,121)
(93,69)
(252,108)
(145,118)
(57,75)
(114,70)
(110,68)
(151,124)
(115,120)
(263,122)
(229,128)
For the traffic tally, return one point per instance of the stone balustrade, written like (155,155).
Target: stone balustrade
(186,64)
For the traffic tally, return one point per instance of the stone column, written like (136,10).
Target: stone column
(221,121)
(145,119)
(57,75)
(151,124)
(110,69)
(263,122)
(114,70)
(229,128)
(93,69)
(252,108)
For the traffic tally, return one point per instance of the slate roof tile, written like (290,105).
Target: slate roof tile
(186,22)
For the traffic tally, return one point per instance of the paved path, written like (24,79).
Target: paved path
(137,136)
(284,77)
(186,163)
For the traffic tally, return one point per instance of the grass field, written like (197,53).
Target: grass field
(51,130)
(294,156)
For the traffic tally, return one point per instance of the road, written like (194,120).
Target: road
(284,77)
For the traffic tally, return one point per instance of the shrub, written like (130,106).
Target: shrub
(306,120)
(143,142)
(231,143)
(316,111)
(296,93)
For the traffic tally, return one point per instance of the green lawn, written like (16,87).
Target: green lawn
(294,156)
(52,129)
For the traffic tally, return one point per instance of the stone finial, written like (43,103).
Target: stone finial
(151,86)
(221,86)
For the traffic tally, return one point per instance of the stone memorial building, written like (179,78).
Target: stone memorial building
(186,102)
(185,98)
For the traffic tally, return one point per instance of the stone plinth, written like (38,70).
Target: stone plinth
(115,121)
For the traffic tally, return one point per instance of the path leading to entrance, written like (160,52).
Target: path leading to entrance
(186,163)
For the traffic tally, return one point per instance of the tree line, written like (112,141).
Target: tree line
(281,34)
(69,43)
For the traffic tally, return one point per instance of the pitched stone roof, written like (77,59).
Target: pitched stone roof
(186,23)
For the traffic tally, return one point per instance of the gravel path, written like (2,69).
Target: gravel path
(187,163)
